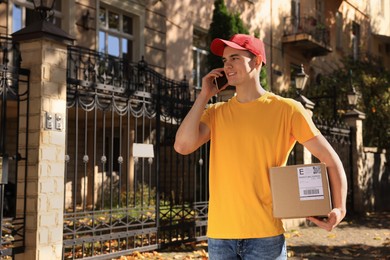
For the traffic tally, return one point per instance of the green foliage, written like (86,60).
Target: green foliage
(224,25)
(221,27)
(371,80)
(238,24)
(263,79)
(143,197)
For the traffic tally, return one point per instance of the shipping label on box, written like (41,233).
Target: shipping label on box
(310,183)
(300,191)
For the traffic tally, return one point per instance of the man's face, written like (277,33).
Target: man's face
(239,65)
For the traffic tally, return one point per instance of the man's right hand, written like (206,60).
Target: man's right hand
(209,88)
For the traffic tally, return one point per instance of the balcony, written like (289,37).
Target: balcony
(307,35)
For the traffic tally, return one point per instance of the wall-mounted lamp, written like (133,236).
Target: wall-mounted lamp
(301,80)
(44,8)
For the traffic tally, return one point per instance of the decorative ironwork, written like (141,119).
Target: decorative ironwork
(14,113)
(335,131)
(308,25)
(111,82)
(120,197)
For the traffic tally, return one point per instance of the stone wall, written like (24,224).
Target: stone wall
(376,179)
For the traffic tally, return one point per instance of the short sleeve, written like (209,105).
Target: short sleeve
(303,127)
(206,116)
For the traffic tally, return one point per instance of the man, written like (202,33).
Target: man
(250,133)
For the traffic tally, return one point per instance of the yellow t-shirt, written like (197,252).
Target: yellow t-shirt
(246,140)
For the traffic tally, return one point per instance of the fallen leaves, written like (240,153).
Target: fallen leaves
(187,251)
(357,238)
(292,233)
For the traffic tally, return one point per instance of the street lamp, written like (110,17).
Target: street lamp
(44,7)
(43,28)
(352,95)
(352,98)
(301,80)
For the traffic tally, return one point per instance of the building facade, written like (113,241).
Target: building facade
(171,35)
(106,94)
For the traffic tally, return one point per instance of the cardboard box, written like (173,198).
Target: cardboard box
(300,191)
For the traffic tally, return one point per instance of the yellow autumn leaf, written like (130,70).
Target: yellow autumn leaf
(331,235)
(345,251)
(201,252)
(328,249)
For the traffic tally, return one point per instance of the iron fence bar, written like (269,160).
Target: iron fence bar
(11,77)
(150,102)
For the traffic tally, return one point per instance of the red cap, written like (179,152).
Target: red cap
(239,42)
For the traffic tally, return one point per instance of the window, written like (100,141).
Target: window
(116,33)
(339,30)
(199,57)
(23,14)
(355,40)
(295,8)
(295,14)
(320,11)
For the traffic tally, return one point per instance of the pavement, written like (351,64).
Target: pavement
(357,237)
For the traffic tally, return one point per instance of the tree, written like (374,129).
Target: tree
(371,80)
(224,25)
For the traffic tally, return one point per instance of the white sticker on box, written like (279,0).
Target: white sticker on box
(310,183)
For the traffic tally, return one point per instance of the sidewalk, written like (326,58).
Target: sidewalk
(366,237)
(356,237)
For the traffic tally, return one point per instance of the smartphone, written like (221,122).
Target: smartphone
(220,81)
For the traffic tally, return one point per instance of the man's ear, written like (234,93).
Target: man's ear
(258,60)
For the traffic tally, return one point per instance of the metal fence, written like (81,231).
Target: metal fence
(126,188)
(14,122)
(338,135)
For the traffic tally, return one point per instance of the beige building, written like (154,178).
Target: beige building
(115,141)
(170,34)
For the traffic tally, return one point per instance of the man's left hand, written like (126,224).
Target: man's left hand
(329,223)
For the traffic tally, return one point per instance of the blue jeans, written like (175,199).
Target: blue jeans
(248,249)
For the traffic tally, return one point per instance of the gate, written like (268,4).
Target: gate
(14,113)
(338,135)
(126,188)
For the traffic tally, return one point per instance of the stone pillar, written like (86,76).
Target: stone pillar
(354,119)
(45,54)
